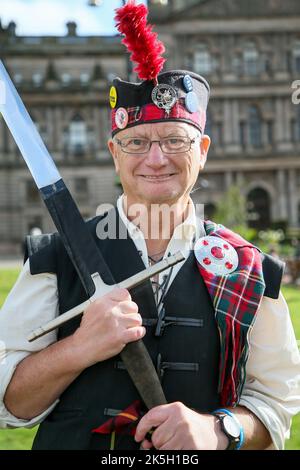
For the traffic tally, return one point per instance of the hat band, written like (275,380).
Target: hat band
(151,113)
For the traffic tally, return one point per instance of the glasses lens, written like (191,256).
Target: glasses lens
(135,145)
(175,144)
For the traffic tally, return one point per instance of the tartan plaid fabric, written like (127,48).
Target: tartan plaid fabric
(151,113)
(123,423)
(236,298)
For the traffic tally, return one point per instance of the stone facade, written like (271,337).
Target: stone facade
(248,51)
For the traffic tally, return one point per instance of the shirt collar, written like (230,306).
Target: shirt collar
(191,228)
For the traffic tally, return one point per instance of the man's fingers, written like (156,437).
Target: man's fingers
(133,334)
(163,434)
(127,306)
(132,319)
(146,445)
(119,295)
(152,419)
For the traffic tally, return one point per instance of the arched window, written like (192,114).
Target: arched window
(77,135)
(209,211)
(254,126)
(251,59)
(203,62)
(259,208)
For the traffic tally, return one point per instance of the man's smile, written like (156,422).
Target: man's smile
(157,178)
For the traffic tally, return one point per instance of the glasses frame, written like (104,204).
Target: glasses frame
(159,142)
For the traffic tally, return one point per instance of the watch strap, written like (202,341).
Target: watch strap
(233,445)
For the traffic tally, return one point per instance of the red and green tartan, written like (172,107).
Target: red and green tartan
(151,113)
(236,298)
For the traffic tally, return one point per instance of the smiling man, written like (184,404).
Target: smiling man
(216,326)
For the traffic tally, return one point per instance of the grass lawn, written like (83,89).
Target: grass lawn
(21,439)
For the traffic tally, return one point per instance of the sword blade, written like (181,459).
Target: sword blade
(27,138)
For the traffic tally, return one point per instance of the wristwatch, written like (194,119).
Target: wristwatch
(231,427)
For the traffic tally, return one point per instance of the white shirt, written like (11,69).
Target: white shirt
(272,386)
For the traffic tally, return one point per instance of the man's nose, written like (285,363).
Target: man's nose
(155,156)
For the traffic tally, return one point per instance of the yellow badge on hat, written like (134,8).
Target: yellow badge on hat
(113,97)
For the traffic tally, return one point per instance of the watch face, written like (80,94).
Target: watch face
(231,426)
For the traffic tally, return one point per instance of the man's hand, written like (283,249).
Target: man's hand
(180,428)
(107,325)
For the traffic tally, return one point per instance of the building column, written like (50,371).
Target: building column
(293,201)
(240,180)
(282,203)
(279,113)
(228,179)
(227,123)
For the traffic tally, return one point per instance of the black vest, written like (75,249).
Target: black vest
(184,347)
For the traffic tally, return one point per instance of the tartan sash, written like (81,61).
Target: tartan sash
(236,298)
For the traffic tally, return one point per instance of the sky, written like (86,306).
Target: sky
(49,17)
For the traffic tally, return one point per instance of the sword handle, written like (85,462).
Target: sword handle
(129,283)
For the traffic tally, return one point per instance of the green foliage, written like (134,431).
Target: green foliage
(21,439)
(231,211)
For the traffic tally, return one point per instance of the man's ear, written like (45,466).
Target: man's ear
(112,147)
(204,147)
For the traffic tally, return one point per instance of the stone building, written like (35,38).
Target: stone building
(248,51)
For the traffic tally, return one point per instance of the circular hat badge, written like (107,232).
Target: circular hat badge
(121,118)
(164,96)
(113,97)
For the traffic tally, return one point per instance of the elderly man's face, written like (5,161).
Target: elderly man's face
(157,177)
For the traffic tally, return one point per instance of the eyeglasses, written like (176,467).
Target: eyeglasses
(174,144)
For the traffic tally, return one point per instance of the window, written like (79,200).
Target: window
(18,77)
(296,56)
(77,135)
(37,79)
(84,78)
(81,188)
(296,127)
(259,208)
(254,127)
(270,132)
(251,60)
(32,193)
(203,63)
(242,134)
(66,78)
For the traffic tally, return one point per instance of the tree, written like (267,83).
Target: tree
(231,211)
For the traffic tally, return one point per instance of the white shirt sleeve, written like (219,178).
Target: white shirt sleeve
(272,387)
(32,302)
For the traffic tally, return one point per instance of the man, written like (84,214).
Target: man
(73,381)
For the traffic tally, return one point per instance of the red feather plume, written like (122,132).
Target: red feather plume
(140,40)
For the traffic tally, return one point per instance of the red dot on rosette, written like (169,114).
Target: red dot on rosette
(206,261)
(229,265)
(205,242)
(217,252)
(226,247)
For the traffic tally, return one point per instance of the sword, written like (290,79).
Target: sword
(78,241)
